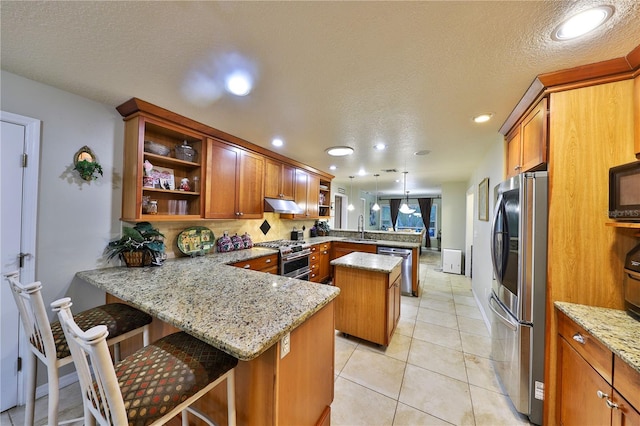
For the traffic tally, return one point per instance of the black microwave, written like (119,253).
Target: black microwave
(624,192)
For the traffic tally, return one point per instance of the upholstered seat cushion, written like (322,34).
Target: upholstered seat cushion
(158,377)
(118,317)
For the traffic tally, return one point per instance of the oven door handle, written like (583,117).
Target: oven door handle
(289,259)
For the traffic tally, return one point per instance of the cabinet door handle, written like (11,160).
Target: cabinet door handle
(602,395)
(580,339)
(247,266)
(612,404)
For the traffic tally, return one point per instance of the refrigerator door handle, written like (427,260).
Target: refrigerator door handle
(492,300)
(499,258)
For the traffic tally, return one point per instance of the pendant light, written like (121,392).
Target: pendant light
(350,207)
(405,206)
(376,206)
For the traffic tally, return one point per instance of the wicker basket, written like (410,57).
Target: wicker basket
(136,258)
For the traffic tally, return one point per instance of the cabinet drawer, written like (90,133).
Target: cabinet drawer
(314,258)
(260,263)
(626,380)
(594,352)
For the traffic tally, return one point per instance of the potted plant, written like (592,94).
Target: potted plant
(322,228)
(88,170)
(142,245)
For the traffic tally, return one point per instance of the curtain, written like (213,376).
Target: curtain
(425,209)
(394,206)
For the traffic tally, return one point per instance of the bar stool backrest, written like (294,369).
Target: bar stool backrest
(98,382)
(33,315)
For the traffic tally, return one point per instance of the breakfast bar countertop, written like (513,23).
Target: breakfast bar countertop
(368,262)
(614,328)
(241,312)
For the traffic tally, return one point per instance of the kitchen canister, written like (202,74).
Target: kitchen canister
(224,243)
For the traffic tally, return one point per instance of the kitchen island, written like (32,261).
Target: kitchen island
(368,306)
(246,314)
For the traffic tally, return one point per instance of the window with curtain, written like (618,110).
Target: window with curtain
(405,221)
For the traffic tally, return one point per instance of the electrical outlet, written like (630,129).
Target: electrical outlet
(285,345)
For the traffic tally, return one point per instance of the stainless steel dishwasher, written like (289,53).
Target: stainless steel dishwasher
(407,264)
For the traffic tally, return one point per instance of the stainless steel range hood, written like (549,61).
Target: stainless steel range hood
(281,206)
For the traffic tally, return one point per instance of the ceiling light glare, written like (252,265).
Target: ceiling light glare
(482,118)
(362,172)
(582,23)
(238,83)
(379,146)
(339,151)
(332,167)
(277,142)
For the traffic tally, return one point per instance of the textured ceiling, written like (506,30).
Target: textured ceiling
(409,74)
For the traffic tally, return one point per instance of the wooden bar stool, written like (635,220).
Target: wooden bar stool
(47,341)
(151,386)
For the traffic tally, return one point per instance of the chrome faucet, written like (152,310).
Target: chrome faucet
(361,226)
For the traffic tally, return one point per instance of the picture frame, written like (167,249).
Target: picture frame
(483,200)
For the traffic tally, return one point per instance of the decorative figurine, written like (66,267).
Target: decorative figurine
(184,184)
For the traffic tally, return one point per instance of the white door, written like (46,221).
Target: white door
(19,139)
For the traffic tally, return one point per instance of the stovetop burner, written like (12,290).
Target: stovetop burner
(280,243)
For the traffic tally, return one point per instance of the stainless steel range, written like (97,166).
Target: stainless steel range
(294,257)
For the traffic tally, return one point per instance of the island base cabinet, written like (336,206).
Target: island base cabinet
(368,306)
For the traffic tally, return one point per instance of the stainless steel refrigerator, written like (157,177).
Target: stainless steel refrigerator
(517,301)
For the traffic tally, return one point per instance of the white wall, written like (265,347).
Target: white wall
(491,166)
(453,215)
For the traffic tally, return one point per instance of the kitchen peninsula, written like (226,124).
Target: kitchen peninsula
(246,314)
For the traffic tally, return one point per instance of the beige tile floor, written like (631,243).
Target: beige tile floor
(435,371)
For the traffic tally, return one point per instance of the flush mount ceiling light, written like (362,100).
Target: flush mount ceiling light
(238,83)
(339,151)
(379,146)
(332,167)
(350,207)
(482,118)
(582,23)
(404,208)
(376,206)
(277,142)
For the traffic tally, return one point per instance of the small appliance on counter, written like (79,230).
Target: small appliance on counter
(632,282)
(297,234)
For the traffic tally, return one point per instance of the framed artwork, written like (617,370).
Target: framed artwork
(483,200)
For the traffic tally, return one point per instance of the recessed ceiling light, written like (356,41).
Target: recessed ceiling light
(482,118)
(332,167)
(339,151)
(361,172)
(582,23)
(238,83)
(277,142)
(422,152)
(379,146)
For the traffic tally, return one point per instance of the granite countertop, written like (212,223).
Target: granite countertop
(385,243)
(614,328)
(239,311)
(368,262)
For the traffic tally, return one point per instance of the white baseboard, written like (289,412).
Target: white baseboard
(63,381)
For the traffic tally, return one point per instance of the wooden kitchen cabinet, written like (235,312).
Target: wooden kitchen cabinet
(368,306)
(279,180)
(319,262)
(307,194)
(267,264)
(138,129)
(636,114)
(593,386)
(527,142)
(234,181)
(324,199)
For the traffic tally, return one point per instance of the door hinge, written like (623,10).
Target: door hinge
(24,159)
(19,363)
